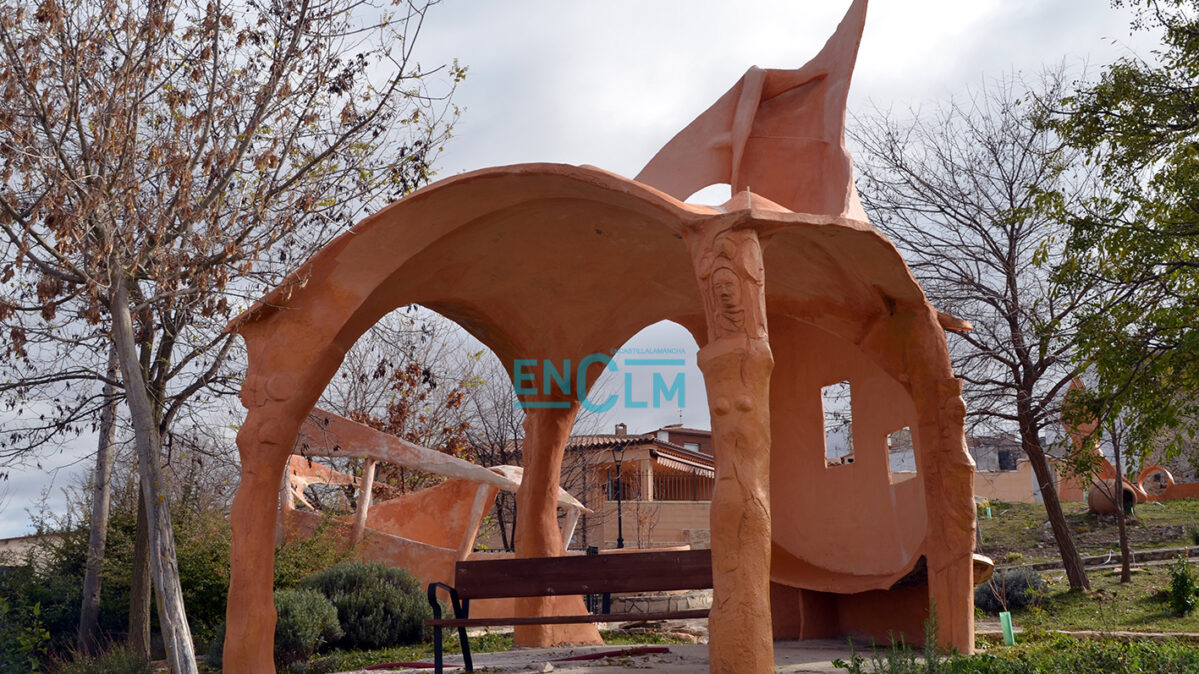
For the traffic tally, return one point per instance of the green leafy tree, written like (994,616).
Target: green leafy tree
(1139,125)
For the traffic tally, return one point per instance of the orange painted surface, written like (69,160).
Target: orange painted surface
(425,562)
(1158,484)
(786,290)
(424,532)
(1070,489)
(1098,495)
(438,515)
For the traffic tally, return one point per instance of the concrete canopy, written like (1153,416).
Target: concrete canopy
(557,262)
(549,262)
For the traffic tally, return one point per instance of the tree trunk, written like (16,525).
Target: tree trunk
(1118,499)
(172,617)
(512,523)
(139,593)
(1071,561)
(89,611)
(501,521)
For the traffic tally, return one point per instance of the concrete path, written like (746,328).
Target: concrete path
(789,656)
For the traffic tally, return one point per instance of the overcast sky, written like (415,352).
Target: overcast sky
(608,82)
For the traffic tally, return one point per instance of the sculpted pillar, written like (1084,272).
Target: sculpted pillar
(261,442)
(950,481)
(537,532)
(736,363)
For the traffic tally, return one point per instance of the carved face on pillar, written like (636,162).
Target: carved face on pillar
(732,269)
(727,287)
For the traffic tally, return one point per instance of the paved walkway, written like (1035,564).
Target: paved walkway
(789,656)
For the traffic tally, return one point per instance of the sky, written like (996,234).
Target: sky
(608,82)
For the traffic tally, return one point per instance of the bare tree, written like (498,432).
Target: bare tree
(408,376)
(957,188)
(404,336)
(497,434)
(89,612)
(161,159)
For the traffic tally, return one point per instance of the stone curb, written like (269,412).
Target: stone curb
(1104,560)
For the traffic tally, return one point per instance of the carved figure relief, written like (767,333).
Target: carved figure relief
(731,272)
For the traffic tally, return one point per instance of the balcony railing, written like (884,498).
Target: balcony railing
(669,487)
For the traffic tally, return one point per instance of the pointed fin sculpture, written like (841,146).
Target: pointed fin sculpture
(779,133)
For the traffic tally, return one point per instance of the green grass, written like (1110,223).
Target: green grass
(340,661)
(1138,606)
(1056,653)
(1066,655)
(1016,530)
(1036,652)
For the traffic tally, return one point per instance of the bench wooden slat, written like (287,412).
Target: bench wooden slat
(584,574)
(570,619)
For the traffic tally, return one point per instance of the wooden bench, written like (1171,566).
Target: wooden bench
(570,575)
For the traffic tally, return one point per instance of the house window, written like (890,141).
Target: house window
(693,446)
(1008,459)
(838,424)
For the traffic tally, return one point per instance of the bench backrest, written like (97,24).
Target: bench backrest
(584,574)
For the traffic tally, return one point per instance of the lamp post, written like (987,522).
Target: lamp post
(618,457)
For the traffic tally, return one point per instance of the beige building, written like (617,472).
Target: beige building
(659,496)
(1002,472)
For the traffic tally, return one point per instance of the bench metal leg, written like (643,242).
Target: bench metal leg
(462,638)
(462,611)
(437,658)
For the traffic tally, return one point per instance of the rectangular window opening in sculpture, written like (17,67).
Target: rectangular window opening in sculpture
(901,455)
(838,424)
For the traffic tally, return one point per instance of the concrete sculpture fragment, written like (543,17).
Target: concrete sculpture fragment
(424,531)
(786,288)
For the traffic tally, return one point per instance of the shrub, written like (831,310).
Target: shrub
(24,639)
(302,556)
(202,551)
(52,576)
(216,648)
(1183,586)
(1009,590)
(377,605)
(116,660)
(306,622)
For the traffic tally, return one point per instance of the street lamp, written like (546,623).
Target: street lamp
(618,457)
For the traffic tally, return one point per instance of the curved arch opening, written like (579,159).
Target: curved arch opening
(650,468)
(712,195)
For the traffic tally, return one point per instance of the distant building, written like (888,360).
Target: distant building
(667,476)
(15,551)
(995,452)
(664,488)
(1003,473)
